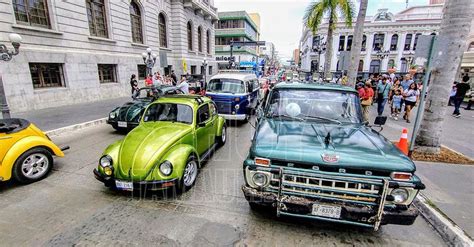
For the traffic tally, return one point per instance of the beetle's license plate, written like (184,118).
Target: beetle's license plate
(121,185)
(327,211)
(122,124)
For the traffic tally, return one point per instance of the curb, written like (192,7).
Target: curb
(75,127)
(456,152)
(449,231)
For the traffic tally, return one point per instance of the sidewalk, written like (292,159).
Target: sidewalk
(58,117)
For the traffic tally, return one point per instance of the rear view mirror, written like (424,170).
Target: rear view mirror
(380,120)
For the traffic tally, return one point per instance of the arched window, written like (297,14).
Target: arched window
(208,42)
(361,66)
(199,39)
(342,40)
(394,42)
(374,66)
(190,36)
(408,42)
(136,22)
(416,40)
(378,41)
(162,30)
(97,19)
(364,42)
(349,43)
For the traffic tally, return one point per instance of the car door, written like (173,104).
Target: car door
(204,129)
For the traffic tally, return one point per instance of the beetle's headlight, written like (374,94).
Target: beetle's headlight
(260,179)
(399,195)
(112,115)
(166,168)
(105,161)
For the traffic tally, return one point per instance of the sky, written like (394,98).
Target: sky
(281,20)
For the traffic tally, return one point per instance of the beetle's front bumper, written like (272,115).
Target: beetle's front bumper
(302,207)
(115,124)
(151,185)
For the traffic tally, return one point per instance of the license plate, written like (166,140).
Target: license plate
(121,185)
(327,211)
(122,124)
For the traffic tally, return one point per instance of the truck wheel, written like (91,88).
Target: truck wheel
(190,173)
(33,165)
(220,140)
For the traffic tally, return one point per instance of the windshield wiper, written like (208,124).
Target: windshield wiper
(325,118)
(287,116)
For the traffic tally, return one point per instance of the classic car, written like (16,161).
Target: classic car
(313,157)
(26,153)
(175,135)
(127,116)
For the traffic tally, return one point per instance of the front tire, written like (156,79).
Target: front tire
(191,170)
(223,138)
(33,165)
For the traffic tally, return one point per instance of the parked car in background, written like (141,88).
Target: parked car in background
(236,94)
(313,157)
(127,116)
(176,134)
(26,153)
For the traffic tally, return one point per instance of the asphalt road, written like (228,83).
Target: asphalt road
(71,208)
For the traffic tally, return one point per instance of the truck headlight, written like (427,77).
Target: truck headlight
(105,161)
(166,168)
(399,195)
(260,179)
(237,107)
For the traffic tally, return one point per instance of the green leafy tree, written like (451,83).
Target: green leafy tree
(332,9)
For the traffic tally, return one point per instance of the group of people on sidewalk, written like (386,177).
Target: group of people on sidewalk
(389,89)
(157,80)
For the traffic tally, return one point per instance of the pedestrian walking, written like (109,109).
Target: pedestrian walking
(367,100)
(452,94)
(410,96)
(383,90)
(174,78)
(134,84)
(183,85)
(461,90)
(396,104)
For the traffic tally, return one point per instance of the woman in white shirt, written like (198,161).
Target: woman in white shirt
(411,95)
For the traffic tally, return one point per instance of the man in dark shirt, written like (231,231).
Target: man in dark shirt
(461,90)
(175,79)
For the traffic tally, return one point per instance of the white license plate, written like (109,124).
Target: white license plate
(327,211)
(121,185)
(122,124)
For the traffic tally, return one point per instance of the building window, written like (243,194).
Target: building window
(96,17)
(404,65)
(162,30)
(391,63)
(47,75)
(361,66)
(416,40)
(141,68)
(408,42)
(364,42)
(349,43)
(193,69)
(210,70)
(202,70)
(199,39)
(394,42)
(378,41)
(190,36)
(374,66)
(107,73)
(471,47)
(136,22)
(225,24)
(208,42)
(342,40)
(32,12)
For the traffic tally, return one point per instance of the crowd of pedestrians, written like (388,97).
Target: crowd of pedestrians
(157,79)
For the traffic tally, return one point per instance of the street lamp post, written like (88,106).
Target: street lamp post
(149,59)
(381,55)
(6,55)
(204,65)
(320,48)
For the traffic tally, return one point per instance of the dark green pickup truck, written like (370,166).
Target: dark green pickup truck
(313,157)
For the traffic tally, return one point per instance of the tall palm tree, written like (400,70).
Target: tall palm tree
(357,43)
(452,38)
(315,13)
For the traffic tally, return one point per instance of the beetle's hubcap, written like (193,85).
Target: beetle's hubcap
(35,166)
(224,137)
(190,173)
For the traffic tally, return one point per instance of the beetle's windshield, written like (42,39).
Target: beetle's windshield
(311,105)
(226,86)
(169,112)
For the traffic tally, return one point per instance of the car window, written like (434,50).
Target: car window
(203,113)
(226,86)
(213,109)
(169,112)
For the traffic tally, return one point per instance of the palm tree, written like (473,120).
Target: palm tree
(357,43)
(452,43)
(314,15)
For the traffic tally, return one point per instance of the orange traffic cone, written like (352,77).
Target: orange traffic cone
(403,143)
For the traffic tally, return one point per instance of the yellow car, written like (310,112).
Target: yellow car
(26,153)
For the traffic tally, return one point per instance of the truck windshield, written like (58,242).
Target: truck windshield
(312,105)
(226,86)
(169,112)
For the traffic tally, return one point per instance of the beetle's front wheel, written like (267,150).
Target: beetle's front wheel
(33,165)
(189,174)
(223,138)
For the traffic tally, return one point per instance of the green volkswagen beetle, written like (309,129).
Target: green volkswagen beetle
(175,135)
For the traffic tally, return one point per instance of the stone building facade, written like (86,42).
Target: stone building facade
(85,50)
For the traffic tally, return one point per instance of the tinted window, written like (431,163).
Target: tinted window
(169,112)
(226,86)
(203,113)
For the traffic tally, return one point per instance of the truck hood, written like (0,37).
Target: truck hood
(144,147)
(356,146)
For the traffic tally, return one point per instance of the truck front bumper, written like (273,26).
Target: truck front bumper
(239,117)
(355,215)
